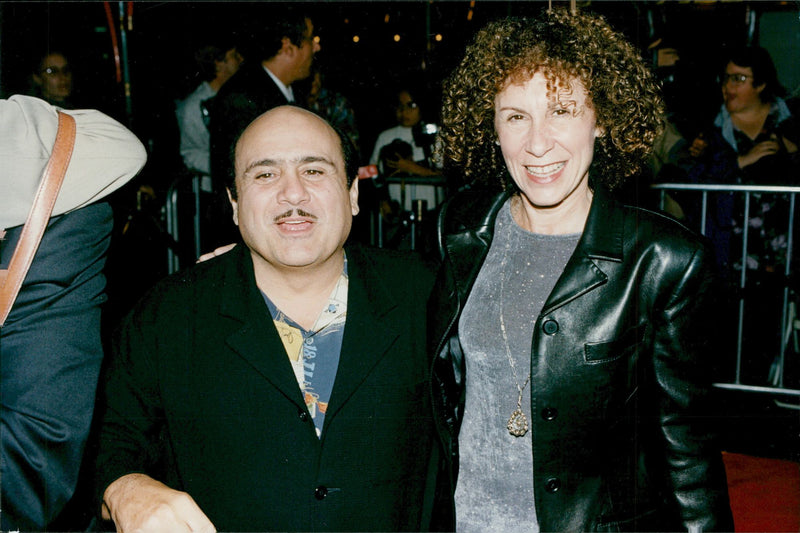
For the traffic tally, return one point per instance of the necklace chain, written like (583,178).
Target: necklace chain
(517,423)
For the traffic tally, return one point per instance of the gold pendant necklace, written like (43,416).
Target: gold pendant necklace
(517,423)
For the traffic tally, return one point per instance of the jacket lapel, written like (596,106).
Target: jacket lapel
(601,240)
(468,235)
(256,340)
(370,330)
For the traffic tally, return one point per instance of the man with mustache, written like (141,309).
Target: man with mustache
(283,385)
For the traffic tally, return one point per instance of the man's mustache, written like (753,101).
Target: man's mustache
(289,213)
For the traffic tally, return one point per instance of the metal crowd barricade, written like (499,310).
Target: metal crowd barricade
(412,208)
(173,212)
(790,322)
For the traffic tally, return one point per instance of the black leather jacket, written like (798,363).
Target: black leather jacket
(621,360)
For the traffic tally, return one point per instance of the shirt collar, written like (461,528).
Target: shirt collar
(725,123)
(285,89)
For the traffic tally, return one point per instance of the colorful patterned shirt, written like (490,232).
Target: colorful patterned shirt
(314,354)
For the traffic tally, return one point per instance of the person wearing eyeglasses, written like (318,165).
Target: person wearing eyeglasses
(753,125)
(753,141)
(52,79)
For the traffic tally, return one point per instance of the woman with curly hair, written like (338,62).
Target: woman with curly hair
(573,335)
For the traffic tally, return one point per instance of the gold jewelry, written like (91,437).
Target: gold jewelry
(517,423)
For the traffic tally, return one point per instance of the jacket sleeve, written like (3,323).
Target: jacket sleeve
(685,344)
(130,408)
(50,354)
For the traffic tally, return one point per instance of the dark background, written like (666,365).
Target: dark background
(160,39)
(163,36)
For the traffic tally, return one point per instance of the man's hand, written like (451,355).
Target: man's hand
(217,252)
(139,503)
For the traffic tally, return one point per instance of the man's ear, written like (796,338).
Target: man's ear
(234,205)
(287,47)
(354,197)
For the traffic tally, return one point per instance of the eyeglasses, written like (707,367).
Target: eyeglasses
(735,79)
(55,71)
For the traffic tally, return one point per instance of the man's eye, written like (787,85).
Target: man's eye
(264,175)
(315,172)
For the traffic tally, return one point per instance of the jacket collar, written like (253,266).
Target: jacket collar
(371,327)
(468,230)
(601,240)
(254,338)
(602,234)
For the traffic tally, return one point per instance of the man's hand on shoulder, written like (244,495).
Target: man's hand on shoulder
(136,502)
(216,253)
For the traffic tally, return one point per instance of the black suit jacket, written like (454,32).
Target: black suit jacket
(248,94)
(200,394)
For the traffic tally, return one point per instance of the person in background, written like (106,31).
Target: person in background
(215,65)
(573,336)
(753,141)
(755,122)
(281,53)
(415,159)
(306,405)
(52,79)
(407,151)
(50,345)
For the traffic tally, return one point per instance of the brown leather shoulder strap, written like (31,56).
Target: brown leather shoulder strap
(11,279)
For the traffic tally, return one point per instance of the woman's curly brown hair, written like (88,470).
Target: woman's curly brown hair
(564,47)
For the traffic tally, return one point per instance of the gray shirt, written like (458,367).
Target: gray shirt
(495,483)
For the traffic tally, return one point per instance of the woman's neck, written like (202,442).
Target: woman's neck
(567,217)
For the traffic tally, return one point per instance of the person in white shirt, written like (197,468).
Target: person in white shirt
(407,150)
(216,66)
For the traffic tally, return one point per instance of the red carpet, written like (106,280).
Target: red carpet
(764,493)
